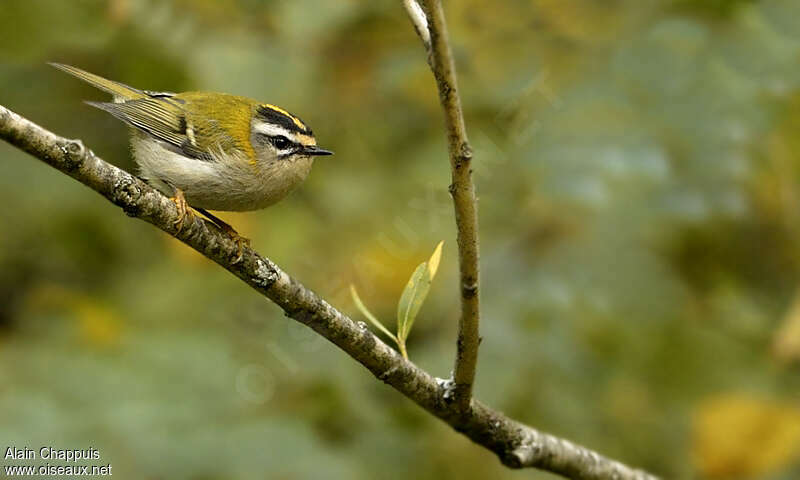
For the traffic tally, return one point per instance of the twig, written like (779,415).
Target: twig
(440,59)
(417,17)
(516,445)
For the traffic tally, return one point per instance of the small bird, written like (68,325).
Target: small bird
(211,151)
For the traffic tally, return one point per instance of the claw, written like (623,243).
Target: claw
(241,242)
(184,210)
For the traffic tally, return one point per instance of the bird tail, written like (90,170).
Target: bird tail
(120,91)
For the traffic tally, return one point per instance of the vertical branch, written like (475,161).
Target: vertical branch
(440,58)
(420,22)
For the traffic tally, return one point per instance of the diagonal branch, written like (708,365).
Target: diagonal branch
(516,444)
(440,59)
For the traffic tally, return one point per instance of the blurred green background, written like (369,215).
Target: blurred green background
(639,177)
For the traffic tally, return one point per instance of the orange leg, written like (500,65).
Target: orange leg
(184,210)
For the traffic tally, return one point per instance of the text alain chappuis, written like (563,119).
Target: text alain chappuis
(48,454)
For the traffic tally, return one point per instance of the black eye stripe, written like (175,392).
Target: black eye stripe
(266,137)
(280,142)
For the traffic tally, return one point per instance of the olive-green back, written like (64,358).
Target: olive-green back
(195,123)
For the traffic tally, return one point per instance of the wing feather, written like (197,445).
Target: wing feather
(160,117)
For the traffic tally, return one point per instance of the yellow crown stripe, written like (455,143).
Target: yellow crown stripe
(284,112)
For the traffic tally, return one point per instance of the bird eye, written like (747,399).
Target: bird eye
(280,142)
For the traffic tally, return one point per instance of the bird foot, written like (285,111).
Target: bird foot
(241,242)
(184,210)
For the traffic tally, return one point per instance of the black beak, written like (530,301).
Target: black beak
(315,150)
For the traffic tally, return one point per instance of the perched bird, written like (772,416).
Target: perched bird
(211,151)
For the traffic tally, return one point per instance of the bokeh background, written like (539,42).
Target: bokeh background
(639,178)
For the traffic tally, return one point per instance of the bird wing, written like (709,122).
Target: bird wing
(161,116)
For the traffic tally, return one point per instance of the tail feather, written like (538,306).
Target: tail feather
(120,91)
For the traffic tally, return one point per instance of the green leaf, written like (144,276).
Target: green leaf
(363,308)
(411,300)
(433,262)
(415,292)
